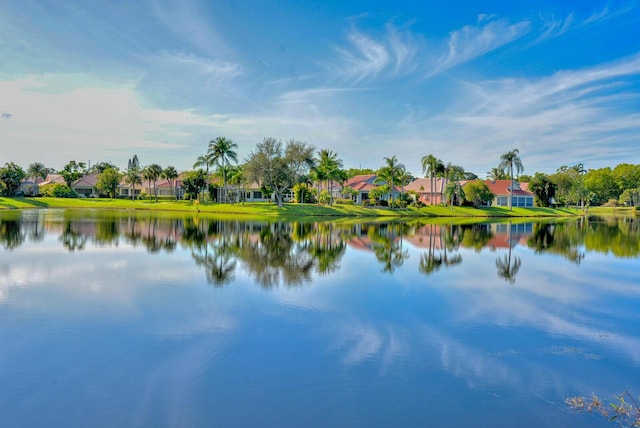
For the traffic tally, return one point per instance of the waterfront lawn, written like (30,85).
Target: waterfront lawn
(271,209)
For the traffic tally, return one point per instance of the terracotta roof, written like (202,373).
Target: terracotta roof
(502,187)
(423,185)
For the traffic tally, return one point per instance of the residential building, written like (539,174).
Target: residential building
(522,197)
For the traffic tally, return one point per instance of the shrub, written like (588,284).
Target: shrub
(324,197)
(383,203)
(611,203)
(143,196)
(344,201)
(54,190)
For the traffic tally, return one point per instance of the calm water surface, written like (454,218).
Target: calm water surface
(127,319)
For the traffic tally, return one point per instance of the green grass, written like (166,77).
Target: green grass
(265,209)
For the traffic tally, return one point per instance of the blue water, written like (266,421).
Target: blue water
(126,319)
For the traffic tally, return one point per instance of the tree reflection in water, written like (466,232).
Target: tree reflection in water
(506,269)
(446,240)
(387,244)
(290,253)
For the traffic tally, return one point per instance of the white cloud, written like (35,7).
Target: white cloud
(365,57)
(62,117)
(470,42)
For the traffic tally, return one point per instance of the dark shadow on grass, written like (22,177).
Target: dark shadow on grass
(34,202)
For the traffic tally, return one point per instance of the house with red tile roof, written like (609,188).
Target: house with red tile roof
(428,191)
(363,184)
(522,197)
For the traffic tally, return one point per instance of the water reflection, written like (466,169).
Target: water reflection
(289,253)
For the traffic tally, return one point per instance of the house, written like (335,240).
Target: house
(53,179)
(85,186)
(429,191)
(363,184)
(522,197)
(28,188)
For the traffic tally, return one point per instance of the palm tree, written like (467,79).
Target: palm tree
(204,161)
(237,177)
(390,173)
(222,151)
(147,174)
(38,170)
(432,166)
(132,177)
(171,175)
(496,174)
(510,160)
(505,269)
(328,166)
(155,171)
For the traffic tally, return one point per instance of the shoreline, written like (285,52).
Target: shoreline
(268,209)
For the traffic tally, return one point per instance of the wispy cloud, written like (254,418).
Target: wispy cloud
(366,57)
(214,68)
(6,115)
(584,115)
(471,42)
(186,19)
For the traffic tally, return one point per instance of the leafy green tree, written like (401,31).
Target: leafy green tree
(602,185)
(627,176)
(276,167)
(108,181)
(99,167)
(454,192)
(221,151)
(630,197)
(11,175)
(352,172)
(508,161)
(73,171)
(170,174)
(193,183)
(543,189)
(477,192)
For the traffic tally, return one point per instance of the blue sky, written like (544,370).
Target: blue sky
(463,80)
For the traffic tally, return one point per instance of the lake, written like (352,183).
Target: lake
(112,318)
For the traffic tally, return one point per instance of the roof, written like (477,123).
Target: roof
(364,183)
(53,179)
(423,185)
(503,187)
(89,180)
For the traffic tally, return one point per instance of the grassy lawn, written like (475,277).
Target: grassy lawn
(271,210)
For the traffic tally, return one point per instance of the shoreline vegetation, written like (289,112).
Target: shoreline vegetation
(268,209)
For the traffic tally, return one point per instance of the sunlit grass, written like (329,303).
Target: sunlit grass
(267,209)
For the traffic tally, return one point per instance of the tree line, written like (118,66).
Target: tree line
(281,168)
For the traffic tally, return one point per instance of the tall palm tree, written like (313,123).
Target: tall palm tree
(132,177)
(155,171)
(204,161)
(171,174)
(510,160)
(222,151)
(433,166)
(328,166)
(390,173)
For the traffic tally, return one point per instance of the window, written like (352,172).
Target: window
(257,195)
(503,201)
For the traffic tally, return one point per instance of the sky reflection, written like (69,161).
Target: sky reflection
(170,319)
